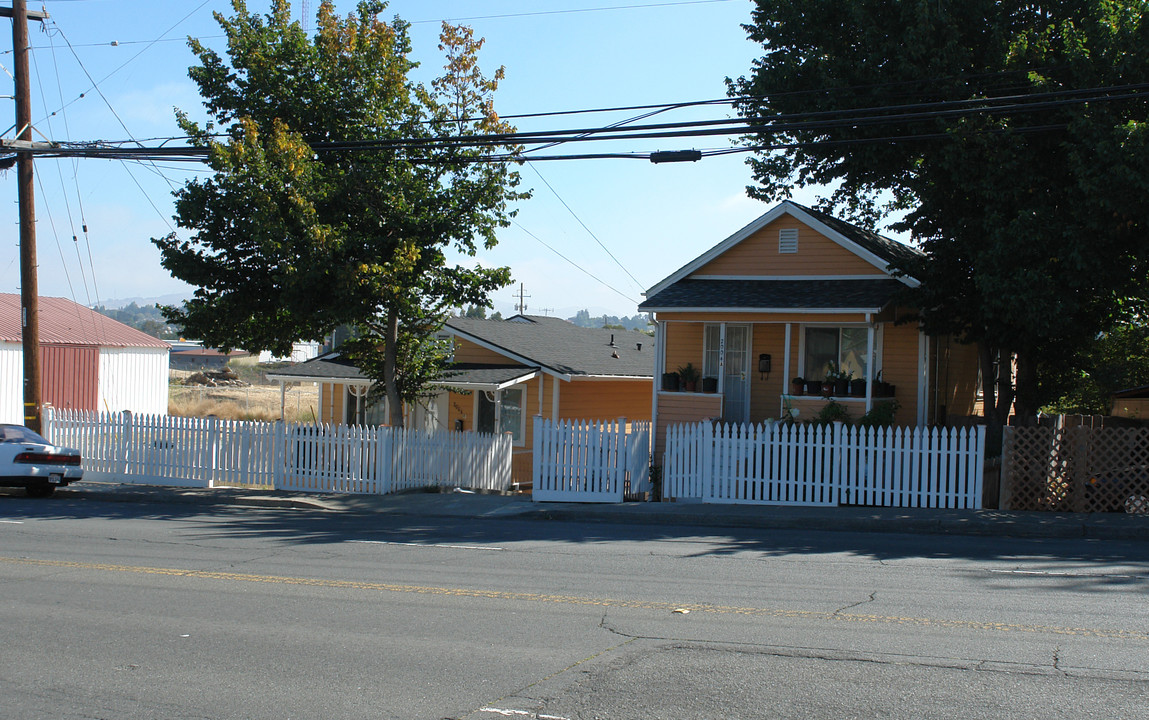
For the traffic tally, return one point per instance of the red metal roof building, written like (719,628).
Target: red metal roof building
(88,361)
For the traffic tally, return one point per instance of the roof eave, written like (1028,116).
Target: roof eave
(774,310)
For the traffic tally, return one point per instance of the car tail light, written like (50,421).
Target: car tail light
(36,458)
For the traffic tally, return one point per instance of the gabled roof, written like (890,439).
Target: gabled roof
(561,347)
(63,322)
(879,251)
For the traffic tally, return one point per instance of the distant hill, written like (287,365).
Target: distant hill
(583,318)
(145,318)
(169,299)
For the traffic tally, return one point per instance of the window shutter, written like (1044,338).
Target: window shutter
(788,241)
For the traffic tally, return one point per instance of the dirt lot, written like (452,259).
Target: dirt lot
(256,401)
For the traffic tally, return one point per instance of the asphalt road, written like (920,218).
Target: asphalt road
(142,610)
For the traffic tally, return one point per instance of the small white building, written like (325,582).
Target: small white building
(300,352)
(87,361)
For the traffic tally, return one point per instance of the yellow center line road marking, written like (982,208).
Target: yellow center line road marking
(427,545)
(590,601)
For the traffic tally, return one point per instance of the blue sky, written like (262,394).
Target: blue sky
(129,61)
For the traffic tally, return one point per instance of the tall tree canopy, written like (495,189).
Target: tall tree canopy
(1014,136)
(315,215)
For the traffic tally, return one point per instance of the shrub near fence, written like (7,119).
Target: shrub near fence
(786,464)
(200,452)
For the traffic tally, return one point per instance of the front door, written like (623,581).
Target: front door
(736,380)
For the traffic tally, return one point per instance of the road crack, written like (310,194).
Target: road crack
(873,597)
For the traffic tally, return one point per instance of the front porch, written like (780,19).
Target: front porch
(752,364)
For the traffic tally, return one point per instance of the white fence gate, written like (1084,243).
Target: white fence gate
(588,461)
(786,464)
(199,452)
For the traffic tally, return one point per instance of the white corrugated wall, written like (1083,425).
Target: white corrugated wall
(11,383)
(134,379)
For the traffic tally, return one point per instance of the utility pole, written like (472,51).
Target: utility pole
(29,287)
(521,306)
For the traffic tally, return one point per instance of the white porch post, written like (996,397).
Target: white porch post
(542,389)
(555,399)
(659,368)
(923,378)
(785,373)
(869,365)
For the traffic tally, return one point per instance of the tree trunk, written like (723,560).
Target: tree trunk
(390,366)
(993,419)
(1026,389)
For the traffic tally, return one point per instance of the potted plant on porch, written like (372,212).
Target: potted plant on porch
(689,376)
(798,386)
(709,384)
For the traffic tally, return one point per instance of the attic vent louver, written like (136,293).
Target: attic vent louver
(788,240)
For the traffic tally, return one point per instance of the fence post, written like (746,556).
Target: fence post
(837,457)
(279,455)
(125,448)
(620,465)
(536,452)
(47,424)
(707,474)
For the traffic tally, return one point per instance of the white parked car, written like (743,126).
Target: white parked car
(29,461)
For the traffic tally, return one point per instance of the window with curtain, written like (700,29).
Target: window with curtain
(835,347)
(510,415)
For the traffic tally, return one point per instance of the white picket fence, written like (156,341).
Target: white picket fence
(201,452)
(590,461)
(787,464)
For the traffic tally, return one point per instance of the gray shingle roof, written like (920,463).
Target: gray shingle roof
(328,366)
(889,250)
(826,295)
(563,347)
(470,375)
(535,341)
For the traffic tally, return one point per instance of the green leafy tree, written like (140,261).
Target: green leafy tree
(339,187)
(1117,360)
(1032,210)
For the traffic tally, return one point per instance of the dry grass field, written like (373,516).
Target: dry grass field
(258,401)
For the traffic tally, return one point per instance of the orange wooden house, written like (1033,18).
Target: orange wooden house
(505,372)
(800,294)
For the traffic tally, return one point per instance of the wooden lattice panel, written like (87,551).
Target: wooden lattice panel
(1076,469)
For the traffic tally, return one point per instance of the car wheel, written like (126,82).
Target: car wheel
(40,491)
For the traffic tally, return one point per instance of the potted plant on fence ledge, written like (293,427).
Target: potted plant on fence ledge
(709,384)
(798,386)
(689,375)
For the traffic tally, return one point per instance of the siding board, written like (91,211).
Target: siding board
(817,255)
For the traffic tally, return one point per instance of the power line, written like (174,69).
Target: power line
(578,267)
(873,118)
(584,227)
(96,84)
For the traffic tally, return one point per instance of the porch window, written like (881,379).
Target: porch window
(359,410)
(502,413)
(711,347)
(840,347)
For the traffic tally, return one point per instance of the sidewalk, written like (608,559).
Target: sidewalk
(1108,526)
